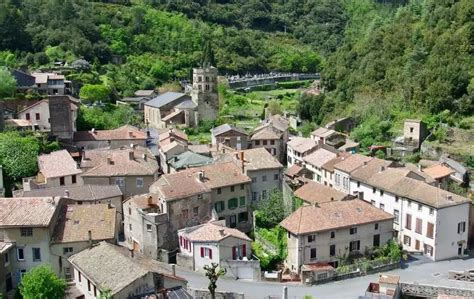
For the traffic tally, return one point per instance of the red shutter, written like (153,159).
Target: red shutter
(244,250)
(210,254)
(202,251)
(234,253)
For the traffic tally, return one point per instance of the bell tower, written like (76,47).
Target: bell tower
(204,93)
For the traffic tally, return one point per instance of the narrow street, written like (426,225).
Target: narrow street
(427,273)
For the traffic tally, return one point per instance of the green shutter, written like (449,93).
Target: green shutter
(233,203)
(242,201)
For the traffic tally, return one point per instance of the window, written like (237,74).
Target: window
(322,276)
(37,116)
(430,230)
(264,142)
(272,142)
(74,179)
(409,203)
(26,231)
(318,178)
(195,211)
(130,226)
(406,240)
(374,189)
(312,253)
(408,222)
(264,194)
(419,226)
(382,206)
(129,211)
(120,181)
(22,272)
(257,142)
(276,177)
(376,226)
(89,285)
(353,230)
(411,129)
(311,238)
(333,235)
(358,184)
(420,207)
(254,180)
(431,211)
(243,217)
(372,202)
(67,273)
(428,250)
(20,253)
(376,240)
(232,203)
(242,201)
(232,188)
(461,227)
(61,181)
(242,186)
(219,190)
(149,228)
(36,255)
(79,276)
(139,182)
(67,250)
(354,245)
(332,250)
(206,252)
(233,221)
(396,198)
(184,214)
(219,206)
(396,215)
(27,116)
(381,192)
(95,291)
(254,196)
(264,178)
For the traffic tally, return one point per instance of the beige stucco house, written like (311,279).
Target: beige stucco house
(115,138)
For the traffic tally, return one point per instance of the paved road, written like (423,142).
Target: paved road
(427,273)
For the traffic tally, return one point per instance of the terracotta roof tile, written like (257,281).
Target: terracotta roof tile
(319,157)
(329,165)
(27,211)
(352,162)
(265,134)
(438,171)
(302,145)
(57,164)
(126,132)
(333,215)
(82,193)
(211,232)
(369,168)
(313,192)
(75,222)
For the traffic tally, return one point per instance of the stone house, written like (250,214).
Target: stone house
(158,110)
(414,132)
(138,100)
(38,115)
(123,273)
(298,148)
(63,115)
(204,93)
(273,135)
(83,195)
(440,174)
(28,223)
(6,269)
(113,139)
(50,83)
(343,169)
(151,223)
(172,143)
(133,169)
(322,232)
(55,169)
(212,242)
(314,162)
(79,227)
(186,160)
(312,193)
(231,136)
(320,135)
(427,219)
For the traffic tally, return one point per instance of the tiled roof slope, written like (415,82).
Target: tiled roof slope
(82,193)
(211,232)
(313,192)
(27,211)
(57,164)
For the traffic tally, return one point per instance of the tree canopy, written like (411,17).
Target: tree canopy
(42,283)
(7,83)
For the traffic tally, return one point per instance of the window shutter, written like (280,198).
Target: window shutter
(234,253)
(210,254)
(202,251)
(244,250)
(181,241)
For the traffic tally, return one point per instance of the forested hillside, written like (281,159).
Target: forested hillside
(385,59)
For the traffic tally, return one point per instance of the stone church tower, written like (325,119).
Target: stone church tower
(204,93)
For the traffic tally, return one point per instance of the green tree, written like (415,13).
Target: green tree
(95,92)
(213,272)
(271,210)
(18,154)
(7,83)
(42,283)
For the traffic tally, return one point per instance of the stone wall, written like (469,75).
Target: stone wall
(204,294)
(185,261)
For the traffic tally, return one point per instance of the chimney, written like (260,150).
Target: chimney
(130,134)
(321,140)
(90,238)
(83,153)
(93,131)
(419,167)
(332,198)
(382,168)
(449,197)
(365,163)
(109,161)
(131,155)
(221,232)
(66,193)
(171,139)
(144,157)
(132,254)
(316,204)
(201,176)
(150,200)
(109,204)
